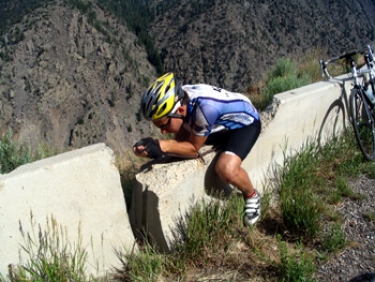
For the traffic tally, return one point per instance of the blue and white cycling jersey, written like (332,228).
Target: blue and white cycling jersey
(212,109)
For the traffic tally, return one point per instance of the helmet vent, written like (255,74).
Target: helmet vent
(162,108)
(149,103)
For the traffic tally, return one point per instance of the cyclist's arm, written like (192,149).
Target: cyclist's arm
(188,147)
(189,143)
(182,135)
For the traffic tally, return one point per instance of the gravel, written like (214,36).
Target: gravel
(357,262)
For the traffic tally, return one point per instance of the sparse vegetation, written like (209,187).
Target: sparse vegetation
(50,256)
(297,266)
(213,229)
(288,74)
(370,215)
(215,238)
(284,76)
(12,154)
(335,239)
(15,153)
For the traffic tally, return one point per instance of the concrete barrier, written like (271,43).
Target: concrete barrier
(313,112)
(80,191)
(78,194)
(164,193)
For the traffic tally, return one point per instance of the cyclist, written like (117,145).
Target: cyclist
(203,114)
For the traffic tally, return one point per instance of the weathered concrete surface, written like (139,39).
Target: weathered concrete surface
(81,191)
(313,112)
(164,194)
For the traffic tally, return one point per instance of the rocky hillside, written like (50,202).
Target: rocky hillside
(70,78)
(232,43)
(71,83)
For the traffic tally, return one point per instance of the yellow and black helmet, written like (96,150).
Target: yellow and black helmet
(161,97)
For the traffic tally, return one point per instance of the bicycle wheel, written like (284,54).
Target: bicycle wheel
(363,123)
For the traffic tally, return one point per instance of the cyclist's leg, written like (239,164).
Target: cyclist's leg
(234,151)
(229,168)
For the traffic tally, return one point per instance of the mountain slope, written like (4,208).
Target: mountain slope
(74,77)
(233,43)
(67,83)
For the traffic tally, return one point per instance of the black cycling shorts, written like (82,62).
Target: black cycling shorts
(238,141)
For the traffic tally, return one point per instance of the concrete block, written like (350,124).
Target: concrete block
(317,112)
(80,191)
(164,194)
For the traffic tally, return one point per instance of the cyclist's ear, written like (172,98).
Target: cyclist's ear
(181,110)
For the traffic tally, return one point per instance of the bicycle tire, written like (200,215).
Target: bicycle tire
(363,124)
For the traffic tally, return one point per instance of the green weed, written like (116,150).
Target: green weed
(300,206)
(146,265)
(51,256)
(297,266)
(284,76)
(16,153)
(370,215)
(12,154)
(334,239)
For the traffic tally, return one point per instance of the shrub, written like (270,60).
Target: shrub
(334,239)
(12,154)
(51,257)
(299,203)
(284,76)
(295,267)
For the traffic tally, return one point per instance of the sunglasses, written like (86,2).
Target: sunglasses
(166,125)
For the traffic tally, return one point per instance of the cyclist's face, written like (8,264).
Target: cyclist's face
(168,124)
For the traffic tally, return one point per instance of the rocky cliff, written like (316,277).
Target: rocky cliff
(233,43)
(70,79)
(72,83)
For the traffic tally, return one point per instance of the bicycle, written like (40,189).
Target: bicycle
(361,99)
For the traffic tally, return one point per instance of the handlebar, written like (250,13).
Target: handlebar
(347,56)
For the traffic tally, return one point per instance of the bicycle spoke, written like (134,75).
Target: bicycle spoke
(363,123)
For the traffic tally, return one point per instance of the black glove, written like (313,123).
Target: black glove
(152,147)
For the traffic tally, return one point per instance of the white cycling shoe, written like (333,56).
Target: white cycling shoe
(252,210)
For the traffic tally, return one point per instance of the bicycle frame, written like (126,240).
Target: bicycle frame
(369,61)
(362,109)
(369,56)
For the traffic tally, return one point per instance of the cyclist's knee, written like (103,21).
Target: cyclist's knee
(227,169)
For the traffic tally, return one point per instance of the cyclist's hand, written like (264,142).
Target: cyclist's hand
(148,147)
